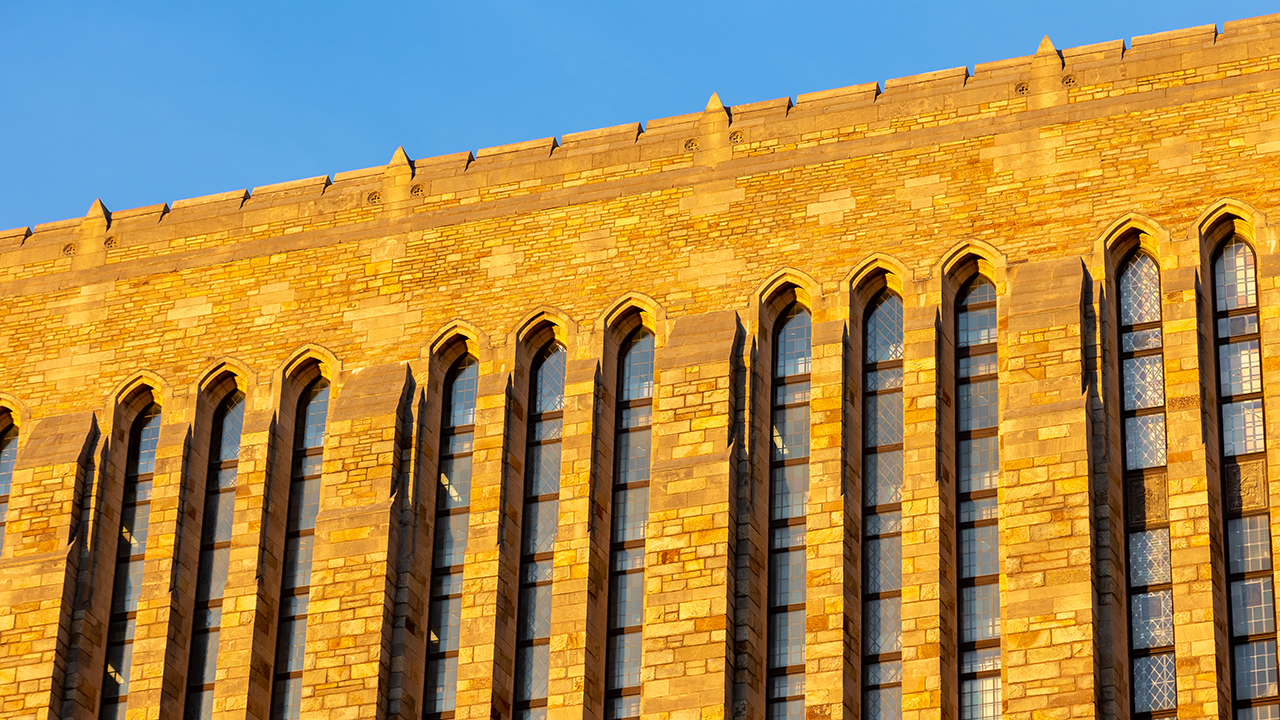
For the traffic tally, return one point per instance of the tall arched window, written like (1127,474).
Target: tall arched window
(1142,385)
(215,554)
(788,494)
(295,590)
(453,515)
(8,456)
(540,523)
(1240,401)
(882,509)
(630,518)
(978,450)
(135,515)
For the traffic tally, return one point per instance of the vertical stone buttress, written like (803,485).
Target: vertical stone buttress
(1194,487)
(928,488)
(348,641)
(833,612)
(687,657)
(1046,534)
(42,552)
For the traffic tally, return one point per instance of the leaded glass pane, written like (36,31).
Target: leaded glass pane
(882,420)
(304,504)
(883,523)
(791,352)
(1144,445)
(623,708)
(446,617)
(979,613)
(1151,615)
(232,424)
(979,551)
(981,509)
(1240,368)
(976,327)
(882,621)
(1252,607)
(883,673)
(636,417)
(543,470)
(548,382)
(148,437)
(884,330)
(790,432)
(1154,683)
(211,580)
(789,492)
(626,599)
(980,660)
(548,430)
(128,587)
(534,662)
(1143,382)
(882,564)
(541,522)
(119,660)
(199,705)
(455,483)
(786,578)
(1238,325)
(442,684)
(1140,291)
(535,612)
(1149,558)
(537,571)
(786,710)
(882,478)
(316,402)
(291,644)
(219,516)
(286,699)
(786,638)
(980,699)
(451,539)
(1242,429)
(979,464)
(890,379)
(8,456)
(1233,277)
(297,562)
(637,368)
(1248,544)
(882,704)
(624,665)
(630,514)
(791,393)
(979,405)
(633,457)
(462,394)
(977,365)
(1256,669)
(1148,339)
(134,521)
(204,658)
(1259,712)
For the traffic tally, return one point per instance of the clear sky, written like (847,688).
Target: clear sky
(147,102)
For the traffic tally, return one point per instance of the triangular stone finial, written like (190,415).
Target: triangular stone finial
(714,103)
(400,157)
(1046,47)
(98,211)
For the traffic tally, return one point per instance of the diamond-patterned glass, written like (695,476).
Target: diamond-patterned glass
(882,524)
(979,613)
(1149,558)
(204,658)
(790,432)
(882,478)
(882,704)
(980,699)
(1144,444)
(548,383)
(199,705)
(532,666)
(144,453)
(884,330)
(1253,609)
(979,464)
(789,492)
(1234,278)
(211,578)
(1248,544)
(979,403)
(637,367)
(1242,429)
(1154,683)
(979,551)
(890,379)
(1148,339)
(786,578)
(315,408)
(882,621)
(792,346)
(535,612)
(219,516)
(544,470)
(883,673)
(1240,368)
(786,638)
(882,564)
(541,522)
(462,393)
(1140,291)
(1256,670)
(1151,616)
(231,423)
(882,420)
(1143,382)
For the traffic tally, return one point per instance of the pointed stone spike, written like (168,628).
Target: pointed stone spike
(714,103)
(98,210)
(400,157)
(1046,47)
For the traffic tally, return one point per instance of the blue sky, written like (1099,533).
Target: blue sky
(147,102)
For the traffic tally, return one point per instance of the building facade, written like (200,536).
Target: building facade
(938,400)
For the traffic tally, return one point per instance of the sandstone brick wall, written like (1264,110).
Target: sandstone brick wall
(1031,170)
